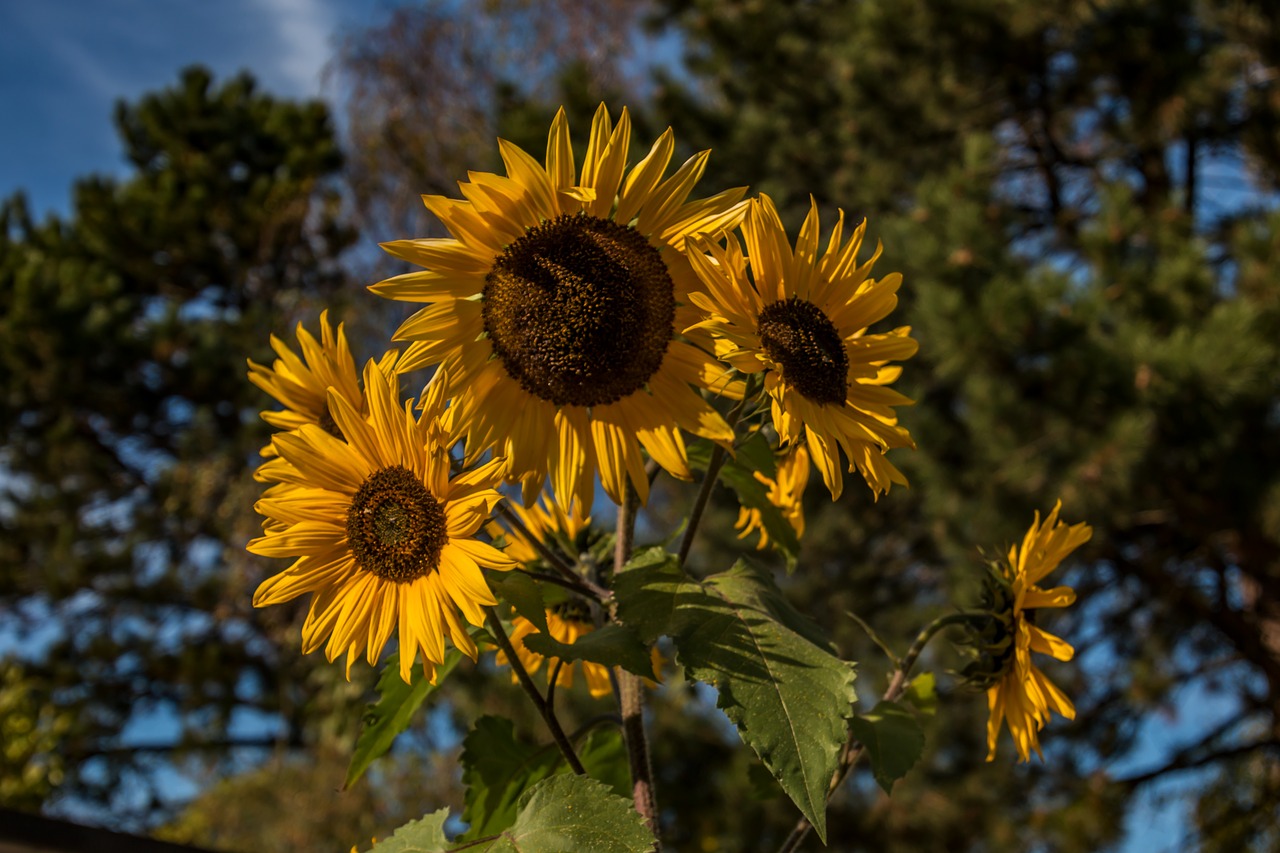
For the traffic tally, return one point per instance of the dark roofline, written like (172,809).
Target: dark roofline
(21,832)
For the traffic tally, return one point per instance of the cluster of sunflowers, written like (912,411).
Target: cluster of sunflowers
(583,324)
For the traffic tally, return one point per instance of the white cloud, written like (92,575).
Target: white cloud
(304,31)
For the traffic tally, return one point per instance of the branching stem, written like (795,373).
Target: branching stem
(544,708)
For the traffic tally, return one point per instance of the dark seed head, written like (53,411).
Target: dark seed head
(395,526)
(796,334)
(580,310)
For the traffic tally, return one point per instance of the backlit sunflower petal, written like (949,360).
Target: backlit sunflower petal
(1047,644)
(560,166)
(644,177)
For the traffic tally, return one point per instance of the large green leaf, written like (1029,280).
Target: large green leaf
(648,591)
(498,768)
(424,835)
(611,645)
(893,740)
(740,476)
(777,676)
(572,814)
(394,710)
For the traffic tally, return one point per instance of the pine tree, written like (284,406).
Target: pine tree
(130,431)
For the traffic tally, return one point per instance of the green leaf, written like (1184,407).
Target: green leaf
(498,768)
(394,710)
(893,740)
(647,591)
(923,693)
(523,593)
(756,454)
(753,494)
(611,645)
(572,814)
(778,679)
(424,835)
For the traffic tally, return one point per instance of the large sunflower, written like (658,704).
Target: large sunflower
(381,535)
(802,320)
(556,304)
(1023,697)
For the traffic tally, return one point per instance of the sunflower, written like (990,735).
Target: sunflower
(1023,697)
(547,522)
(786,492)
(566,622)
(302,383)
(802,320)
(555,306)
(383,537)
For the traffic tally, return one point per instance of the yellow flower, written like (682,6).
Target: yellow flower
(802,320)
(566,622)
(383,538)
(301,384)
(786,492)
(1023,697)
(546,522)
(555,306)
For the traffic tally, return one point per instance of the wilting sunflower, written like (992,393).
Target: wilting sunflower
(786,492)
(382,535)
(802,320)
(566,622)
(1023,696)
(556,305)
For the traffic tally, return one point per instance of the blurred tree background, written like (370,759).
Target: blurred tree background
(1082,198)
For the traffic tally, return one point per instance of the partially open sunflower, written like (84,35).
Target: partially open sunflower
(556,305)
(801,319)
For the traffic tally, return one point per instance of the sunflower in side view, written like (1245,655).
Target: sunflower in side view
(1021,695)
(801,319)
(556,305)
(382,537)
(566,622)
(786,492)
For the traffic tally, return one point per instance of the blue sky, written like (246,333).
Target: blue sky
(64,63)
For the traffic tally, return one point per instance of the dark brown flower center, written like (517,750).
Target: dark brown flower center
(797,335)
(580,310)
(395,526)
